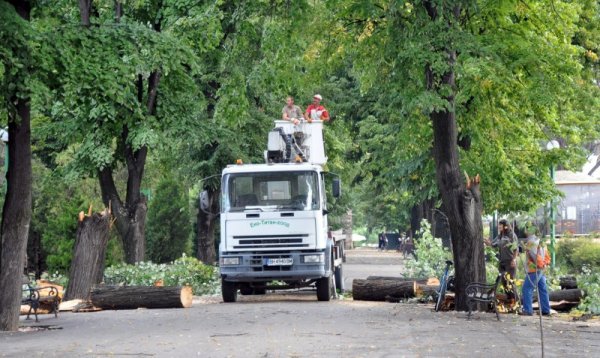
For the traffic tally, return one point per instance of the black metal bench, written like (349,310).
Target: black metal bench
(482,293)
(34,296)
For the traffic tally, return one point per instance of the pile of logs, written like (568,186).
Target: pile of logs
(567,297)
(392,289)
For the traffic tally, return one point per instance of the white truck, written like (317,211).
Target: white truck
(274,231)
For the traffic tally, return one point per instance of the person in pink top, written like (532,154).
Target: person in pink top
(316,111)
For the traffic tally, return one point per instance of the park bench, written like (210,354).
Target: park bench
(483,293)
(36,296)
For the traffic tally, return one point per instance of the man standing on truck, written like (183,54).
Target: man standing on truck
(291,112)
(316,111)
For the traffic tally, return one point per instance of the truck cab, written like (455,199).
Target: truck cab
(274,231)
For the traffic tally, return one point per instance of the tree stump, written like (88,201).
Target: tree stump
(87,266)
(378,290)
(132,297)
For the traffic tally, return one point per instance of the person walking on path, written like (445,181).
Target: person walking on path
(537,260)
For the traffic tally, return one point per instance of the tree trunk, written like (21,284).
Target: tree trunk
(347,230)
(379,290)
(462,202)
(85,9)
(87,266)
(132,297)
(206,230)
(423,210)
(16,214)
(130,218)
(131,215)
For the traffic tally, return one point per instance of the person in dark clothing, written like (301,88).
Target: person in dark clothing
(507,244)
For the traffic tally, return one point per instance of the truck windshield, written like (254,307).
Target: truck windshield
(297,191)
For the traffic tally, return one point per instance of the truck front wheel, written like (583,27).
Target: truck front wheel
(228,291)
(324,288)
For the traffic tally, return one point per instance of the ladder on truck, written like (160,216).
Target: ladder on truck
(293,143)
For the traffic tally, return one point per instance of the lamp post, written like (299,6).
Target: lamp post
(551,145)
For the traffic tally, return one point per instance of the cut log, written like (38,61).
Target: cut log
(571,295)
(568,282)
(132,297)
(426,290)
(422,281)
(378,290)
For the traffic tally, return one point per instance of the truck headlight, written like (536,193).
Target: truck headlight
(313,259)
(230,261)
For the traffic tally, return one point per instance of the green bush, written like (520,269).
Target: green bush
(587,254)
(169,228)
(431,255)
(589,282)
(185,271)
(575,253)
(564,251)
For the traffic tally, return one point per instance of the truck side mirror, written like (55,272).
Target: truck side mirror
(204,201)
(337,188)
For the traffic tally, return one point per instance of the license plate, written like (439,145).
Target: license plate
(280,262)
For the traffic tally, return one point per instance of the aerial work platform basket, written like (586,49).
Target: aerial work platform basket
(302,142)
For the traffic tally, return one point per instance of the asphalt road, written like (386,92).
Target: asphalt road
(296,325)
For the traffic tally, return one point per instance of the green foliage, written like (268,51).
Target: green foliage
(185,271)
(589,281)
(587,254)
(168,230)
(431,255)
(575,253)
(522,77)
(491,263)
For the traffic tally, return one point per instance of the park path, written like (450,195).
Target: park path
(296,325)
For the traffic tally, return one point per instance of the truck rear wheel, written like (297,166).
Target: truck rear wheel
(324,288)
(228,291)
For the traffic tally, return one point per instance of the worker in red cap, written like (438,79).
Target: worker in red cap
(316,111)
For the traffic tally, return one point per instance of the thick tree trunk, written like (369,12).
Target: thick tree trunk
(35,257)
(130,218)
(134,239)
(16,215)
(132,297)
(85,9)
(87,266)
(423,210)
(380,290)
(206,230)
(462,202)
